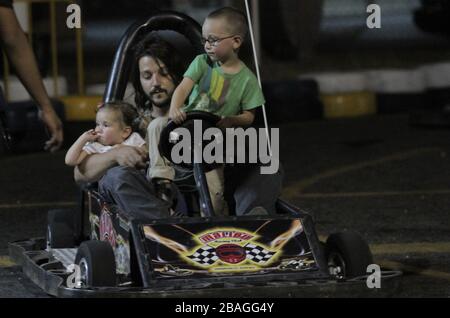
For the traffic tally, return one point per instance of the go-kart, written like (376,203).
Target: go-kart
(99,251)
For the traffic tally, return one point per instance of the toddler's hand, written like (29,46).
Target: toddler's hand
(90,135)
(177,115)
(225,122)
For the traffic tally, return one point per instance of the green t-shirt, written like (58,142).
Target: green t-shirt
(220,93)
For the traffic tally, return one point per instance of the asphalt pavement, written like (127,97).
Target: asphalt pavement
(376,175)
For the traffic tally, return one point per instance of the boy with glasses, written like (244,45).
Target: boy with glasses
(217,82)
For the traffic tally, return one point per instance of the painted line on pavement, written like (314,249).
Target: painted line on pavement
(370,194)
(410,248)
(414,269)
(5,261)
(37,205)
(297,187)
(406,248)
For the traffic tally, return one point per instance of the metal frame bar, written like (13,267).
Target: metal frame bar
(202,187)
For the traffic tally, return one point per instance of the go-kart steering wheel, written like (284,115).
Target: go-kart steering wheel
(169,138)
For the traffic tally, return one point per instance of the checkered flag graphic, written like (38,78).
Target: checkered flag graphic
(257,253)
(204,256)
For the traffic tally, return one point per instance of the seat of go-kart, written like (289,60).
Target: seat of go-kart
(180,30)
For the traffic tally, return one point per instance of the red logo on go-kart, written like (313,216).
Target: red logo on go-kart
(106,229)
(225,235)
(231,253)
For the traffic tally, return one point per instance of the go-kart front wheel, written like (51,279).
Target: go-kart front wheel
(97,264)
(348,255)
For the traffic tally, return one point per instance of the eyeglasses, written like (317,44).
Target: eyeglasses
(215,41)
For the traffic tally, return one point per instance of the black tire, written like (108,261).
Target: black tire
(60,228)
(97,264)
(349,254)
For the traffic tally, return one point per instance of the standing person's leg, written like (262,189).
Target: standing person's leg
(276,40)
(302,21)
(256,190)
(133,194)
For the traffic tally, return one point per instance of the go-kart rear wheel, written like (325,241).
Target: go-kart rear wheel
(60,228)
(348,255)
(97,264)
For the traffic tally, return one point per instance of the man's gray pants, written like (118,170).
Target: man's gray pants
(129,189)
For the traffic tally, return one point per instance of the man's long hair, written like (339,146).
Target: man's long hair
(154,46)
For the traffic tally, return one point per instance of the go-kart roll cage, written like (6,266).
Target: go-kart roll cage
(166,20)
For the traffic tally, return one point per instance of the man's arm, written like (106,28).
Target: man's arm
(22,58)
(93,167)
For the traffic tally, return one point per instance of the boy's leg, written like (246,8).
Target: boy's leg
(160,172)
(216,183)
(132,193)
(159,166)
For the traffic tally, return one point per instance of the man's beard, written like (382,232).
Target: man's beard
(164,103)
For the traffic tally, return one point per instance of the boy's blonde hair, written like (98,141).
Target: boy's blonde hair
(236,20)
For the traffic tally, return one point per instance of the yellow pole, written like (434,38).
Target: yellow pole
(80,61)
(54,48)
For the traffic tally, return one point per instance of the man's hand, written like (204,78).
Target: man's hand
(130,156)
(177,115)
(54,125)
